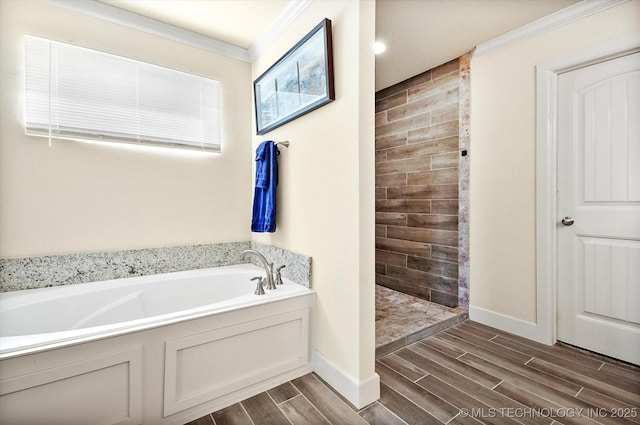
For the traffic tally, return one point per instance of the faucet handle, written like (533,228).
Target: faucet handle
(260,287)
(277,275)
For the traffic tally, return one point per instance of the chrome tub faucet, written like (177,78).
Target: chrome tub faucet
(265,264)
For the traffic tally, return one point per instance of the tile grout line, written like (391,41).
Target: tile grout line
(278,406)
(437,362)
(496,386)
(412,402)
(314,406)
(246,412)
(403,375)
(289,399)
(393,413)
(384,407)
(416,380)
(449,421)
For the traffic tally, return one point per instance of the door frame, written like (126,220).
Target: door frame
(547,177)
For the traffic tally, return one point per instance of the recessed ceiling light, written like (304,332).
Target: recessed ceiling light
(379,47)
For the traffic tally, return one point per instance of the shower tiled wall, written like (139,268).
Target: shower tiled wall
(417,155)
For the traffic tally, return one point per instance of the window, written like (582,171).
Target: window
(77,93)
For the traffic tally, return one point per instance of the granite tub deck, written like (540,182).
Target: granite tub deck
(402,319)
(66,269)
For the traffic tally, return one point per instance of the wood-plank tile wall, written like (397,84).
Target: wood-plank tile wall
(417,185)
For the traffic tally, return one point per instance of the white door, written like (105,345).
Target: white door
(599,208)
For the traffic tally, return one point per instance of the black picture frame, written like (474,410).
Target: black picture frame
(299,82)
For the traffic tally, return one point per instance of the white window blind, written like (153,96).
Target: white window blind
(78,93)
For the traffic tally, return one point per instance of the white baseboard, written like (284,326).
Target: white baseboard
(359,393)
(503,322)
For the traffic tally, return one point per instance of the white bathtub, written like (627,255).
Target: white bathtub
(202,334)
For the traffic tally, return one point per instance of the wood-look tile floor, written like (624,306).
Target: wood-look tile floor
(467,374)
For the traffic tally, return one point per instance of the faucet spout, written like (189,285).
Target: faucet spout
(265,264)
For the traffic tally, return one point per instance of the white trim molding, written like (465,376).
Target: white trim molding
(546,173)
(286,18)
(151,26)
(503,322)
(358,393)
(544,24)
(142,23)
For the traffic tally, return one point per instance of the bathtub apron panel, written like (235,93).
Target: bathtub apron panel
(169,371)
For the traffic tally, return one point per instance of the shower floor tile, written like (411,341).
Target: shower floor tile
(402,319)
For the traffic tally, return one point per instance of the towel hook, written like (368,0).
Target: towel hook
(284,143)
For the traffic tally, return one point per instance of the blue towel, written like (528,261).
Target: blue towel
(264,196)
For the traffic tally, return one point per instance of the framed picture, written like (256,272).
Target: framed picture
(298,83)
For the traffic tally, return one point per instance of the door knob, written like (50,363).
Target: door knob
(567,221)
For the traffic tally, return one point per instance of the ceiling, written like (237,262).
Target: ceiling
(420,34)
(237,22)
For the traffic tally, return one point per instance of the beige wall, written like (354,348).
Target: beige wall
(503,179)
(326,189)
(78,197)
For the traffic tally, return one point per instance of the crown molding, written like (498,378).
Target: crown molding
(286,18)
(142,23)
(138,22)
(547,23)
